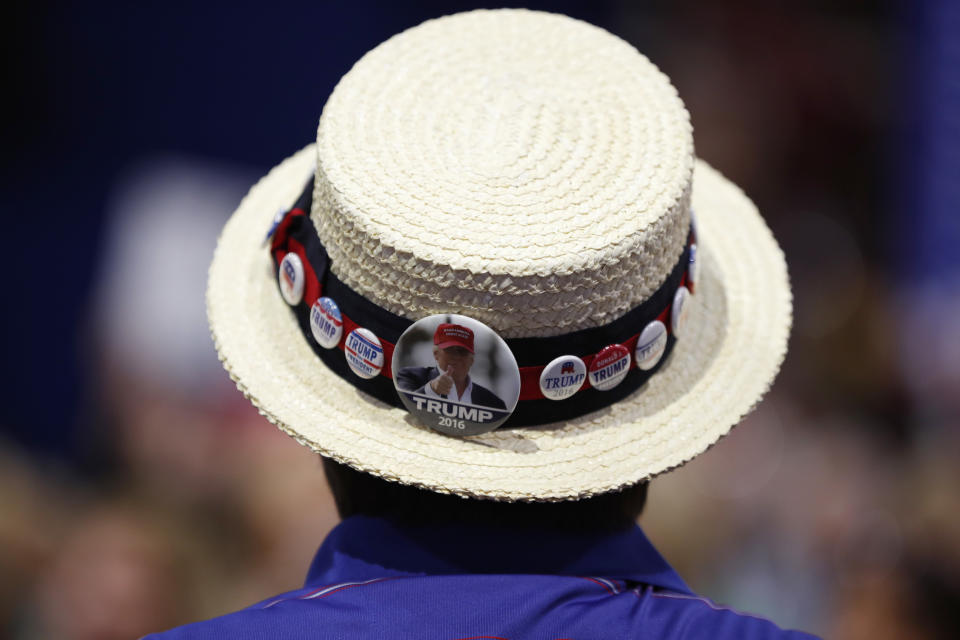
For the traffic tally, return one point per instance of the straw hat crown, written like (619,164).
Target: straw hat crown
(527,169)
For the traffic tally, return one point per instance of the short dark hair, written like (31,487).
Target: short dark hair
(358,493)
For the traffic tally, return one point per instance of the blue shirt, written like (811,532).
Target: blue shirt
(374,579)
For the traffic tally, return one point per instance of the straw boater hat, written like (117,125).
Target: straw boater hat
(533,173)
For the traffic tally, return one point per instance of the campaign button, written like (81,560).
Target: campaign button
(680,310)
(291,279)
(609,367)
(693,267)
(364,353)
(650,345)
(277,219)
(563,377)
(456,375)
(326,322)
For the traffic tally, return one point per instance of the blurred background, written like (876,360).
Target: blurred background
(139,490)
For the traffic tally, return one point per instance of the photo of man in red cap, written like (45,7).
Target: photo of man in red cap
(450,378)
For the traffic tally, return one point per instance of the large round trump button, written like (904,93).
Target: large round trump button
(609,367)
(456,375)
(364,353)
(563,377)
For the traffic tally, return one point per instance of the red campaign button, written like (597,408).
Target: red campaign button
(609,367)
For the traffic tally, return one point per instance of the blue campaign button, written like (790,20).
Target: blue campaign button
(277,219)
(364,353)
(563,377)
(326,322)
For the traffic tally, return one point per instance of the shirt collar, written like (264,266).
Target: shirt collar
(364,548)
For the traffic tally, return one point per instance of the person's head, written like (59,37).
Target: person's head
(358,493)
(457,360)
(453,350)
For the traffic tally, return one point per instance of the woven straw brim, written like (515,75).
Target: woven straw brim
(732,346)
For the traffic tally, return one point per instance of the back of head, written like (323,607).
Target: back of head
(358,493)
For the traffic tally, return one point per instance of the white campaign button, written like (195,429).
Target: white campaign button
(609,367)
(456,375)
(326,322)
(563,377)
(650,345)
(277,219)
(364,353)
(693,267)
(678,314)
(291,279)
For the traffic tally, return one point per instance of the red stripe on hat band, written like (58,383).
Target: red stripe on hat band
(529,375)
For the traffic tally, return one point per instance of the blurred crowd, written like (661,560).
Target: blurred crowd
(833,508)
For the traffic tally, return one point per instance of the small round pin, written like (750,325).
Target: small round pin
(679,311)
(651,345)
(291,278)
(562,377)
(326,322)
(364,353)
(609,367)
